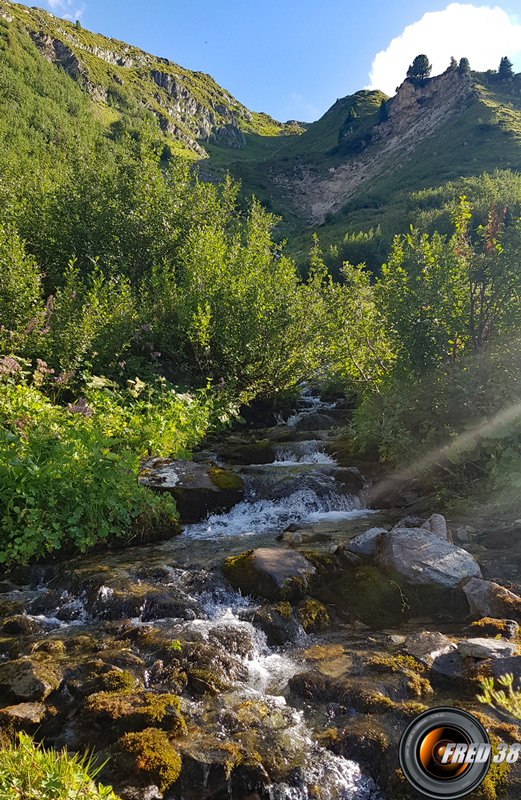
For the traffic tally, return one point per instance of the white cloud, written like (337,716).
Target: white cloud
(66,9)
(482,34)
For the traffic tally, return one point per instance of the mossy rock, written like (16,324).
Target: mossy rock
(324,689)
(118,681)
(366,741)
(150,753)
(261,452)
(113,714)
(225,479)
(273,573)
(29,678)
(278,622)
(490,626)
(198,488)
(365,594)
(312,615)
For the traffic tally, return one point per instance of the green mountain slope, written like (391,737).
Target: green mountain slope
(123,80)
(357,169)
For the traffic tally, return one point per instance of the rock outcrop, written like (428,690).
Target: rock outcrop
(197,488)
(422,558)
(270,572)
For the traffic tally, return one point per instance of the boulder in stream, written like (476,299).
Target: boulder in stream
(423,558)
(29,679)
(489,599)
(270,572)
(487,648)
(198,489)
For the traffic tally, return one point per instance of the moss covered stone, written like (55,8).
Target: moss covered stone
(313,615)
(118,681)
(270,572)
(116,713)
(224,479)
(152,754)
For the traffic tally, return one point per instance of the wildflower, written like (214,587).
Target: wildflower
(9,365)
(80,407)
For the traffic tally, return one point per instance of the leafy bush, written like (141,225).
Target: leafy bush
(69,475)
(34,773)
(21,306)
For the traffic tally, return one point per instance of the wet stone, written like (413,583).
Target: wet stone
(279,624)
(23,714)
(487,648)
(20,625)
(28,679)
(163,606)
(270,572)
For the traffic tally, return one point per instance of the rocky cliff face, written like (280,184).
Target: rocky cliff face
(414,115)
(190,106)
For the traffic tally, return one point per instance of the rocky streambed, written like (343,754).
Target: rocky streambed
(279,646)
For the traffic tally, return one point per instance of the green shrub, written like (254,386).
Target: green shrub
(69,475)
(21,306)
(34,773)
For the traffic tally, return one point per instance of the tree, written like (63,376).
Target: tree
(453,63)
(420,69)
(464,66)
(505,70)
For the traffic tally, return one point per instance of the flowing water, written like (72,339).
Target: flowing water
(300,486)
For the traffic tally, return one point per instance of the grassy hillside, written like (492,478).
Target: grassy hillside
(123,81)
(352,176)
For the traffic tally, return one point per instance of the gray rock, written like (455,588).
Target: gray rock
(436,652)
(270,572)
(487,648)
(427,646)
(437,525)
(489,599)
(423,559)
(461,535)
(409,521)
(506,666)
(198,488)
(305,537)
(313,422)
(28,679)
(365,544)
(23,714)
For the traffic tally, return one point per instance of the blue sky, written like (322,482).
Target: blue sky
(294,58)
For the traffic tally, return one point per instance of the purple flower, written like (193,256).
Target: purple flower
(80,407)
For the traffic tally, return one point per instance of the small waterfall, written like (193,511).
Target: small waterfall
(302,453)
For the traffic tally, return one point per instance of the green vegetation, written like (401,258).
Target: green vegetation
(139,306)
(34,773)
(508,701)
(420,69)
(152,754)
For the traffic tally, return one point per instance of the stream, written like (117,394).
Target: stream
(272,712)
